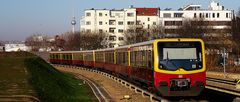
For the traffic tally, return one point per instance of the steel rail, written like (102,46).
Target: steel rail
(97,92)
(232,92)
(230,82)
(144,93)
(33,98)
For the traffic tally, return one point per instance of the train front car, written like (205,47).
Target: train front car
(179,66)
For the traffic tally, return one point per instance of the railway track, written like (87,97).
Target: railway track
(138,90)
(209,95)
(227,83)
(224,81)
(18,98)
(98,91)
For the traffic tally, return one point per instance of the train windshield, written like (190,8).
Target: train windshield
(175,55)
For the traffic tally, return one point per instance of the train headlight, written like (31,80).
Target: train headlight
(194,66)
(161,66)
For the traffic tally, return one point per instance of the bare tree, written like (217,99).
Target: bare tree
(192,28)
(157,31)
(84,40)
(236,34)
(94,40)
(59,43)
(73,41)
(135,34)
(37,41)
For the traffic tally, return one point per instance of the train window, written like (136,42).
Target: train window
(126,58)
(70,57)
(122,58)
(174,55)
(150,59)
(133,58)
(109,57)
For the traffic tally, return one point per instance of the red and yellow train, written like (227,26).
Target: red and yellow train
(171,67)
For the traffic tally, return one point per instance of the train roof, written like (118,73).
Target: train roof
(128,46)
(142,43)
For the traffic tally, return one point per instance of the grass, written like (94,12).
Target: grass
(13,75)
(26,74)
(53,85)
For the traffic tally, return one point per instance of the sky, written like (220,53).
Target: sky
(22,18)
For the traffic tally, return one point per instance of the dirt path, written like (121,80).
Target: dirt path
(115,90)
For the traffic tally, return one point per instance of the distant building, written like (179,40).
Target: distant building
(115,22)
(2,48)
(16,47)
(215,16)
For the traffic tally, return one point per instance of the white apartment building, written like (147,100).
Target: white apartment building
(115,22)
(215,16)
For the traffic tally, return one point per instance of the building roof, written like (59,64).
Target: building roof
(147,11)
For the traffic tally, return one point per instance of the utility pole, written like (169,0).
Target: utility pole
(224,64)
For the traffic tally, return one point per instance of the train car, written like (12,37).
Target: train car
(61,57)
(179,67)
(77,58)
(55,57)
(66,58)
(170,67)
(141,64)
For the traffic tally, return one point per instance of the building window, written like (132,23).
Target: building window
(173,23)
(112,38)
(111,30)
(88,30)
(111,45)
(120,30)
(218,15)
(195,15)
(130,22)
(154,23)
(148,19)
(100,22)
(120,38)
(112,22)
(130,31)
(226,15)
(88,14)
(167,15)
(105,14)
(148,26)
(213,15)
(120,22)
(206,15)
(200,15)
(100,14)
(130,14)
(100,31)
(178,15)
(88,23)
